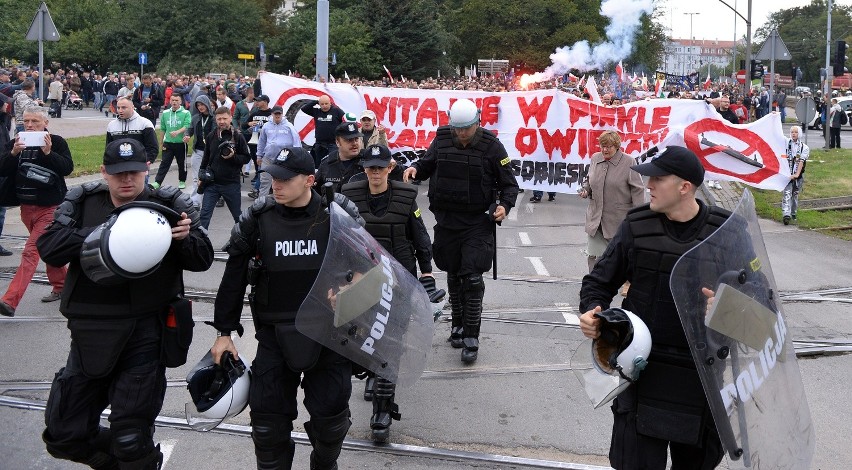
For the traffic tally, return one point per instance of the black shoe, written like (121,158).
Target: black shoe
(220,202)
(794,216)
(551,197)
(6,310)
(456,337)
(253,194)
(470,351)
(5,252)
(786,220)
(535,199)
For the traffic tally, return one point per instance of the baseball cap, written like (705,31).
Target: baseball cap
(277,109)
(125,155)
(348,130)
(368,114)
(4,72)
(291,161)
(674,160)
(375,155)
(262,98)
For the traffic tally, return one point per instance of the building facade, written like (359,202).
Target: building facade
(684,56)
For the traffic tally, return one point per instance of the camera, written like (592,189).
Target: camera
(227,144)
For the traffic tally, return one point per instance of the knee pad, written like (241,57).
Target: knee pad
(330,429)
(270,431)
(132,440)
(473,285)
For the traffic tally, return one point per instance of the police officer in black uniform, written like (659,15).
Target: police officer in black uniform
(343,162)
(278,247)
(116,330)
(667,408)
(471,188)
(390,210)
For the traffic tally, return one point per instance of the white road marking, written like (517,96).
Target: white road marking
(538,265)
(530,208)
(166,447)
(525,238)
(569,313)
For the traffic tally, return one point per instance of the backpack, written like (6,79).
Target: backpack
(844,119)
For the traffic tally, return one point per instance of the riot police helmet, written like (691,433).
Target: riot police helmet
(131,244)
(623,345)
(463,113)
(218,391)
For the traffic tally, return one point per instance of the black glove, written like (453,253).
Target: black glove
(435,295)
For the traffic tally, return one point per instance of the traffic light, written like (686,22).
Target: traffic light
(840,59)
(756,70)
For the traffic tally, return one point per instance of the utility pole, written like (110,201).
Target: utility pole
(827,87)
(322,40)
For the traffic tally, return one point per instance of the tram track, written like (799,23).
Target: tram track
(402,450)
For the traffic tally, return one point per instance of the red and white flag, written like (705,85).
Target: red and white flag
(582,81)
(592,90)
(707,83)
(572,77)
(388,72)
(619,70)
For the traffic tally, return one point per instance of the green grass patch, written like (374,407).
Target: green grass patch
(828,174)
(88,153)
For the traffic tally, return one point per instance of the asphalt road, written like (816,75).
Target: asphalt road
(518,406)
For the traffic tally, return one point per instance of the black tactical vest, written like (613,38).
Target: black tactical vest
(460,183)
(389,229)
(292,252)
(656,253)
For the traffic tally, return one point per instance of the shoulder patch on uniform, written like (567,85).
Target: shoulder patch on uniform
(505,161)
(417,213)
(755,264)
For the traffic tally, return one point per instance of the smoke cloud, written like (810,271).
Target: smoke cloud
(624,18)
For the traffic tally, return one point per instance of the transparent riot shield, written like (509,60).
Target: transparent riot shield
(367,307)
(742,347)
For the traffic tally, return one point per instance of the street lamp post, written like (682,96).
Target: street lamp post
(691,37)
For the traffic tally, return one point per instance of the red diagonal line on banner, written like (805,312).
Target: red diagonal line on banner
(756,144)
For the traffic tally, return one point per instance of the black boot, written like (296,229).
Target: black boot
(327,436)
(152,461)
(273,447)
(369,385)
(384,410)
(454,285)
(96,455)
(474,290)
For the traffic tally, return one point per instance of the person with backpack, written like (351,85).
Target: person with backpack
(836,118)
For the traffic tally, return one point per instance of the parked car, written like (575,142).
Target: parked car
(801,90)
(845,103)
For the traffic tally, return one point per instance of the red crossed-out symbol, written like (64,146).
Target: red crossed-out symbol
(756,145)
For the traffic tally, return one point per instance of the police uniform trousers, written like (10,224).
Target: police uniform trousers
(465,251)
(630,450)
(134,388)
(327,385)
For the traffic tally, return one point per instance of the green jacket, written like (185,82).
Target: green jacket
(175,121)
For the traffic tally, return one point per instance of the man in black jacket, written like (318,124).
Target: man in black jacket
(225,153)
(326,116)
(148,99)
(117,329)
(39,173)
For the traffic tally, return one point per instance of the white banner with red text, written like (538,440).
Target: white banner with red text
(551,135)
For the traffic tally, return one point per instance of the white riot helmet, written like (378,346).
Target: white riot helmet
(617,356)
(218,391)
(131,244)
(463,113)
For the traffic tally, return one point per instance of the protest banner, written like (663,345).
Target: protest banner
(550,135)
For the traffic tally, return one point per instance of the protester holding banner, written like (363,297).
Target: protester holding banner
(471,187)
(676,413)
(797,156)
(612,190)
(280,283)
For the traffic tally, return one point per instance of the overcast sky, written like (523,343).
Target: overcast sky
(715,21)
